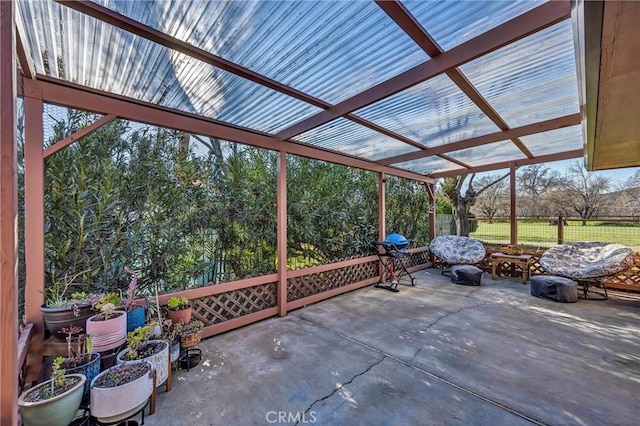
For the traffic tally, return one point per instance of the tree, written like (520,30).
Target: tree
(536,179)
(461,203)
(584,192)
(492,201)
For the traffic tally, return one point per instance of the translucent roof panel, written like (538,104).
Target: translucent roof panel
(565,139)
(487,154)
(433,113)
(451,23)
(531,80)
(428,165)
(351,138)
(331,50)
(91,53)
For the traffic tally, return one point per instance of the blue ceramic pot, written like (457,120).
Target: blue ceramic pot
(90,370)
(135,318)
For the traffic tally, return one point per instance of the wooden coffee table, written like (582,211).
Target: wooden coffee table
(523,260)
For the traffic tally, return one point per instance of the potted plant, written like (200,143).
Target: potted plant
(140,347)
(190,338)
(135,313)
(62,310)
(109,327)
(80,357)
(171,333)
(54,402)
(179,309)
(121,390)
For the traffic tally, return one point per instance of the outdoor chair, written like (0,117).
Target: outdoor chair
(588,263)
(456,250)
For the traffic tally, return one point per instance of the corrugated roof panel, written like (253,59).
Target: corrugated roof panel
(329,49)
(487,154)
(432,113)
(451,23)
(354,139)
(427,165)
(91,53)
(531,80)
(565,139)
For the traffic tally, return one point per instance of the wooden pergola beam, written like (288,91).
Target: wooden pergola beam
(520,27)
(529,129)
(407,22)
(62,93)
(565,155)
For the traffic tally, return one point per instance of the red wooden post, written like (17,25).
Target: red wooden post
(514,211)
(8,219)
(282,233)
(431,192)
(382,217)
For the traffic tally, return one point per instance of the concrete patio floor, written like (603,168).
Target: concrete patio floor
(434,354)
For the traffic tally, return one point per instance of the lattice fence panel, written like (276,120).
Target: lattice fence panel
(234,304)
(627,280)
(416,259)
(308,285)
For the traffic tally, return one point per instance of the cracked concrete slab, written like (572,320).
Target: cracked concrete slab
(437,353)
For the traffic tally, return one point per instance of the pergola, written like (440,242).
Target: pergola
(419,90)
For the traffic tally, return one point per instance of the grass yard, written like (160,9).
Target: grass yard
(543,235)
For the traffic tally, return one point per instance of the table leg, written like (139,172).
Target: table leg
(493,269)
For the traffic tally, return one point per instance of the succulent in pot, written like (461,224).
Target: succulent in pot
(109,327)
(80,357)
(191,334)
(121,390)
(62,310)
(179,309)
(141,347)
(135,313)
(54,402)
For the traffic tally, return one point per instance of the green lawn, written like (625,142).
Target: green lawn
(541,234)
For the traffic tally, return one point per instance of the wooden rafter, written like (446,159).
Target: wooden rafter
(520,27)
(565,155)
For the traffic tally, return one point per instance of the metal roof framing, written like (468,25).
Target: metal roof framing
(441,62)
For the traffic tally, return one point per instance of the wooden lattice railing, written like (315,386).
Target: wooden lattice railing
(626,280)
(222,307)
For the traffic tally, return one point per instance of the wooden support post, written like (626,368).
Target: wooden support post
(8,219)
(282,233)
(34,225)
(431,193)
(514,211)
(560,229)
(382,218)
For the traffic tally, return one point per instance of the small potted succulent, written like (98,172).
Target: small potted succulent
(80,357)
(179,309)
(109,327)
(121,390)
(135,313)
(54,402)
(61,310)
(140,347)
(171,333)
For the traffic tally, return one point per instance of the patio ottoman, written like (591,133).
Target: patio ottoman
(558,289)
(466,275)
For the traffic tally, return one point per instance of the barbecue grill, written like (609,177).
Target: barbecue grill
(391,255)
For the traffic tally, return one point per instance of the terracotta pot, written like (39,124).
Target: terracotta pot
(108,334)
(183,315)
